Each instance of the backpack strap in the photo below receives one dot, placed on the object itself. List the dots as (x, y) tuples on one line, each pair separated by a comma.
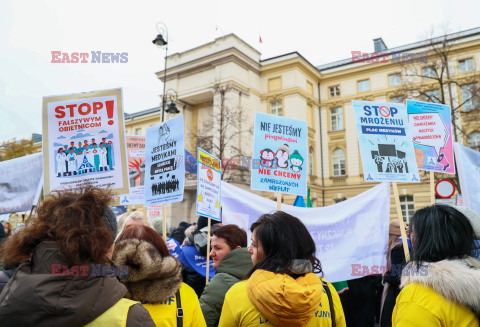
[(330, 302), (179, 309)]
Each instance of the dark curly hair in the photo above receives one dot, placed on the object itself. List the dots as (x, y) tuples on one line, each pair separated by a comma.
[(72, 219)]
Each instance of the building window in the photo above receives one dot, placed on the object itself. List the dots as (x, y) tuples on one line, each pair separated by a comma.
[(338, 159), (364, 85), (408, 207), (334, 91), (310, 161), (275, 84), (429, 72), (465, 65), (433, 96), (309, 88), (470, 97), (276, 108), (395, 79), (398, 99), (138, 131), (473, 140), (336, 118)]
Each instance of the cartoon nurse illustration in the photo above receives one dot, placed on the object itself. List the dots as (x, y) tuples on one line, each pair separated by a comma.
[(103, 158), (61, 158), (296, 161), (72, 162)]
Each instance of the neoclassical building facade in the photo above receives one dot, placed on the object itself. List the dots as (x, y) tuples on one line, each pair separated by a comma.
[(221, 84)]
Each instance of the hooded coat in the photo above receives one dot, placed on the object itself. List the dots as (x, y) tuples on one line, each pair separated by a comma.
[(273, 299), (232, 269), (443, 293), (36, 297), (153, 280)]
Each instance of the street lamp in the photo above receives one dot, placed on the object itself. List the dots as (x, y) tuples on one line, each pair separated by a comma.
[(172, 97), (160, 41)]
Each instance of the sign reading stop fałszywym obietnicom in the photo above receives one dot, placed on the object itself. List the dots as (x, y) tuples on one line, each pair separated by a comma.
[(84, 141), (209, 177)]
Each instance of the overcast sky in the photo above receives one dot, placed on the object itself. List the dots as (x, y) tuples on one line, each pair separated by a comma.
[(322, 31)]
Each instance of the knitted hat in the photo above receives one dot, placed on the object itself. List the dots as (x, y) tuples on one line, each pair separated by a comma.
[(285, 148), (394, 228), (473, 217), (296, 155), (110, 220)]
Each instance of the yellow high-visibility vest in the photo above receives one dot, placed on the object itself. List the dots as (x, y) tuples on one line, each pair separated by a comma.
[(116, 315)]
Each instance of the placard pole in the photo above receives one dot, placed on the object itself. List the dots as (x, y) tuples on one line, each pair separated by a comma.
[(432, 188), (208, 250), (279, 201), (164, 222), (145, 215), (402, 224)]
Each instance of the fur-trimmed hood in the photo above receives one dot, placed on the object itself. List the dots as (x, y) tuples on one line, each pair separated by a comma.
[(457, 280), (151, 277)]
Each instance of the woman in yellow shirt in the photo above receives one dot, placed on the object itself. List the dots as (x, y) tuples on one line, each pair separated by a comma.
[(441, 285), (282, 288), (154, 278)]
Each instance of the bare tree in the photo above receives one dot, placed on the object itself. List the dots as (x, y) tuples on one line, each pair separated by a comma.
[(223, 133), (433, 80)]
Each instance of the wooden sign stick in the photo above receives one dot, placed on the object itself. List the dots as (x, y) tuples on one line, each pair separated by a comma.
[(279, 201), (208, 250), (402, 224), (432, 188)]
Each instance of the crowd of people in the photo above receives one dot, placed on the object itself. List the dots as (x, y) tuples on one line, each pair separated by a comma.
[(76, 264)]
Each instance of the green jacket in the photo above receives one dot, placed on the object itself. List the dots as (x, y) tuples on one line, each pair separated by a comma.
[(231, 270)]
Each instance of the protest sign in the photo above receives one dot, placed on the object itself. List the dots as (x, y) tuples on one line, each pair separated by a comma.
[(431, 128), (84, 141), (280, 150), (165, 166), (136, 170), (350, 234), (209, 176), (468, 165), (385, 142), (19, 181)]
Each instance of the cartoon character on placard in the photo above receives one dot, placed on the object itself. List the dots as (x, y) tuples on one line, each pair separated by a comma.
[(72, 162), (266, 158), (282, 155), (61, 158), (296, 161), (163, 133), (442, 159)]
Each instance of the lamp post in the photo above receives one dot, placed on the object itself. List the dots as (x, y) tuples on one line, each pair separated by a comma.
[(160, 41)]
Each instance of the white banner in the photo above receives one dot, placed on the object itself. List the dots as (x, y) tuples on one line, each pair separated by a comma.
[(350, 236), (19, 182), (468, 165)]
